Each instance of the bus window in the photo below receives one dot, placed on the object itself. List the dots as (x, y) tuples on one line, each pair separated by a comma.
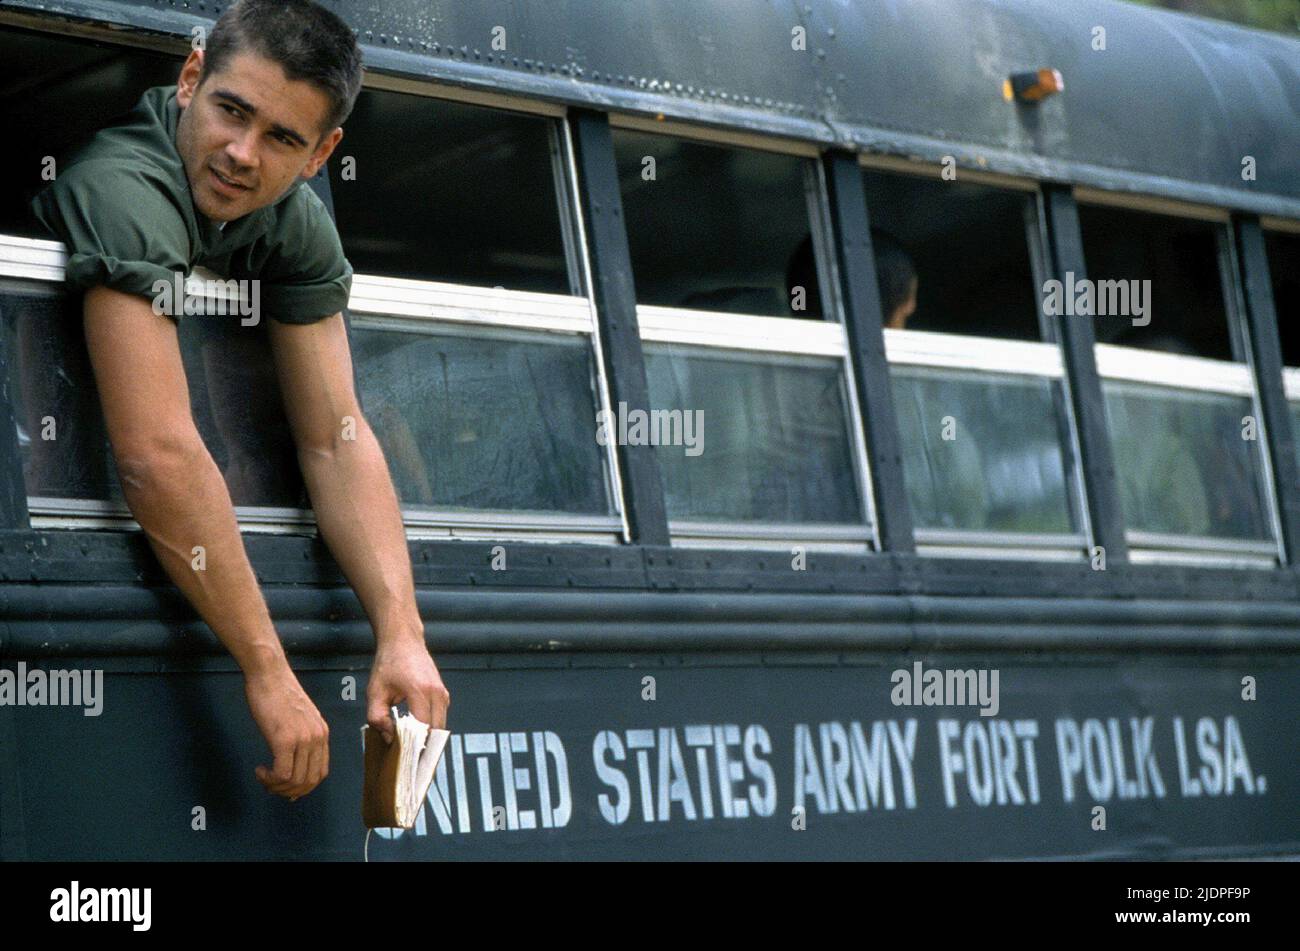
[(981, 410), (961, 247), (1179, 395), (1157, 282), (1283, 249), (61, 434), (70, 89), (739, 345), (475, 361), (485, 421), (470, 199), (714, 228), (772, 447)]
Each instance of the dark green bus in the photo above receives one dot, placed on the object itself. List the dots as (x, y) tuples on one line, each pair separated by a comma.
[(830, 431)]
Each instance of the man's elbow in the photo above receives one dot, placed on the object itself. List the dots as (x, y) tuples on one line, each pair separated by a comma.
[(328, 444), (147, 463)]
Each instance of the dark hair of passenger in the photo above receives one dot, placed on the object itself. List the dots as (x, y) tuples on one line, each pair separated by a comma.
[(310, 44), (894, 270)]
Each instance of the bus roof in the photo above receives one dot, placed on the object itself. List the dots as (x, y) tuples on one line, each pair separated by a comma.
[(1154, 102)]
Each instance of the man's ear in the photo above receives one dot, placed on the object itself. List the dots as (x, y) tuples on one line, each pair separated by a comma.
[(322, 153), (190, 77)]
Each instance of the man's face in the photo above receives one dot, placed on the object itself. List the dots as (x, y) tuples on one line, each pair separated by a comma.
[(248, 133)]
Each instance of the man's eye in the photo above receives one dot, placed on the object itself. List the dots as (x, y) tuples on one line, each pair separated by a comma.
[(231, 109)]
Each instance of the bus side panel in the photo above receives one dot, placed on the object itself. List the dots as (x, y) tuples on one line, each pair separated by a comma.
[(794, 756)]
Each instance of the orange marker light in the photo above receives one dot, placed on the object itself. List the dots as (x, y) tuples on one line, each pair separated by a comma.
[(1032, 87)]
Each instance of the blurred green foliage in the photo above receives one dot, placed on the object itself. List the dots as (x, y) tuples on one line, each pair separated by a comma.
[(1280, 15)]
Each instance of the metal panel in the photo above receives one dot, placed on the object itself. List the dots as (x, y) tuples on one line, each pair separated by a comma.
[(1265, 352), (1169, 107), (1061, 216), (865, 327), (1182, 765), (615, 296)]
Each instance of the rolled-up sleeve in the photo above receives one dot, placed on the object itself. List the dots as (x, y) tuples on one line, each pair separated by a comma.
[(306, 277), (119, 226)]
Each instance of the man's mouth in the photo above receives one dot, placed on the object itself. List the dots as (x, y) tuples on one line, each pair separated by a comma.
[(228, 183)]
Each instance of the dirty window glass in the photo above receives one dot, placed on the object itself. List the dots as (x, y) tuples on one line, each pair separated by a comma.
[(768, 439), (1182, 464), (488, 420), (982, 451)]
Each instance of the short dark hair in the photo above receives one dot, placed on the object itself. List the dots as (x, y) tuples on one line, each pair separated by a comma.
[(894, 270), (310, 44)]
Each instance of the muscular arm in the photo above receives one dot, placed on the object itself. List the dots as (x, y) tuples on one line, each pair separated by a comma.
[(176, 493), (357, 512)]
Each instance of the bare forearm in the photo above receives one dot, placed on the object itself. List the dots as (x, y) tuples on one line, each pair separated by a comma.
[(182, 505), (359, 518)]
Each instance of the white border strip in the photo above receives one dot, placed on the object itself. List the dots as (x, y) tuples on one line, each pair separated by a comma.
[(433, 300), (822, 338), (1291, 382), (32, 258), (48, 512), (1174, 370), (960, 352)]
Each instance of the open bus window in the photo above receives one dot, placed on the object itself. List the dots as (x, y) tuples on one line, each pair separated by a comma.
[(951, 257), (1156, 282), (59, 91), (761, 437), (471, 199), (980, 403), (717, 228)]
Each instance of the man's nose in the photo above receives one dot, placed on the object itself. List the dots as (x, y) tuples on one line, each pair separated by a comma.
[(242, 151)]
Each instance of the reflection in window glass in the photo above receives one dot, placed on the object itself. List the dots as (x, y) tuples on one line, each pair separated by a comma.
[(60, 426), (498, 421), (951, 257), (1170, 266), (236, 402), (1182, 463), (1001, 470), (472, 200), (773, 445), (716, 228), (233, 390)]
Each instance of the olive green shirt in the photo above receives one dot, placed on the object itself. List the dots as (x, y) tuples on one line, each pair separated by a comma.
[(122, 206)]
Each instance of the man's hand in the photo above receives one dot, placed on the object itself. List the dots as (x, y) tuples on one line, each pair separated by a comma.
[(296, 732), (404, 671)]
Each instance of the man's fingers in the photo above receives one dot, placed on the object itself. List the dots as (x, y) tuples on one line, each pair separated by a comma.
[(377, 716)]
